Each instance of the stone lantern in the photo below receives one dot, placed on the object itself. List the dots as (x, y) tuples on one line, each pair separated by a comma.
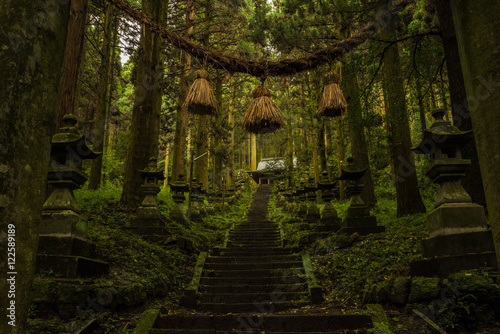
[(179, 187), (458, 235), (358, 218), (197, 207), (329, 220), (300, 192), (63, 245), (149, 220), (312, 209)]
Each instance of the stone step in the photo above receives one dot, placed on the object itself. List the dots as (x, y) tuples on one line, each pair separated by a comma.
[(245, 288), (259, 240), (255, 231), (252, 235), (266, 306), (213, 331), (254, 251), (252, 266), (277, 323), (257, 259), (258, 226), (252, 297), (253, 272), (253, 244), (225, 281)]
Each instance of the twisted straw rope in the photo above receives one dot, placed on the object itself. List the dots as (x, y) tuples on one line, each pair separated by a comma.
[(261, 68)]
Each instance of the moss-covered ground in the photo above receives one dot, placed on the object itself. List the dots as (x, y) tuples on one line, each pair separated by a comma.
[(142, 273), (352, 267)]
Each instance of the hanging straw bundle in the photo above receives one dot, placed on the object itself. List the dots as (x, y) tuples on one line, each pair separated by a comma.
[(262, 115), (200, 98), (332, 102)]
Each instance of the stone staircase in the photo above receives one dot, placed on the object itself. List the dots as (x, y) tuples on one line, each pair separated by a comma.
[(248, 286)]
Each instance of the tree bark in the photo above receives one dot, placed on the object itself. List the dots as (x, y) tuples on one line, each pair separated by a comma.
[(476, 24), (145, 125), (72, 59), (102, 101), (31, 56), (218, 130), (408, 196), (359, 147), (472, 182), (253, 156), (421, 107), (167, 161), (182, 113), (230, 121), (340, 155)]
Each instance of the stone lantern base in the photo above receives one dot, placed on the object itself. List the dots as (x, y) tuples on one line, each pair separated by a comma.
[(358, 220), (329, 221), (63, 248), (148, 222), (459, 240)]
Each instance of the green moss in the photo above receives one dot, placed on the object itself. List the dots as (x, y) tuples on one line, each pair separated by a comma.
[(424, 289)]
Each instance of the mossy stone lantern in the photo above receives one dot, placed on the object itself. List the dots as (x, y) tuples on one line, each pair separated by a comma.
[(197, 207), (458, 235), (329, 220), (63, 245), (358, 218), (179, 187), (149, 220), (69, 149), (301, 195), (312, 209)]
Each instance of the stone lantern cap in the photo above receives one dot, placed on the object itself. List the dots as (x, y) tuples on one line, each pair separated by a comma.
[(443, 136), (196, 187), (351, 172), (151, 172), (310, 185), (325, 183), (180, 184), (69, 146)]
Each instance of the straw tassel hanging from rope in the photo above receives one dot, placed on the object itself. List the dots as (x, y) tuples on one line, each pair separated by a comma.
[(200, 98), (332, 102), (263, 115)]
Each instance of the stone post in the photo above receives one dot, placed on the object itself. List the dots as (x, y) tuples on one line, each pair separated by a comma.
[(358, 218), (179, 187), (459, 238), (63, 246), (148, 220), (329, 220)]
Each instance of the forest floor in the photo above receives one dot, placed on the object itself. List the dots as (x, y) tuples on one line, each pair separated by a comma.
[(355, 271)]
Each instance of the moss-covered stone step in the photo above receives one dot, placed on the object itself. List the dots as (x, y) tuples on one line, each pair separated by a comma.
[(268, 307), (253, 272), (245, 288), (224, 281), (245, 297), (278, 323), (252, 266), (257, 259)]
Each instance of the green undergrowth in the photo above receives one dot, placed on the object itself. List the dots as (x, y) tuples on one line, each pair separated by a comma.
[(346, 264), (141, 271)]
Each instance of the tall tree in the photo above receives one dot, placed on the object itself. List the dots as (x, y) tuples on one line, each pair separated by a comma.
[(408, 196), (145, 125), (72, 59), (31, 53), (472, 182), (359, 147), (102, 99), (476, 24), (179, 149)]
